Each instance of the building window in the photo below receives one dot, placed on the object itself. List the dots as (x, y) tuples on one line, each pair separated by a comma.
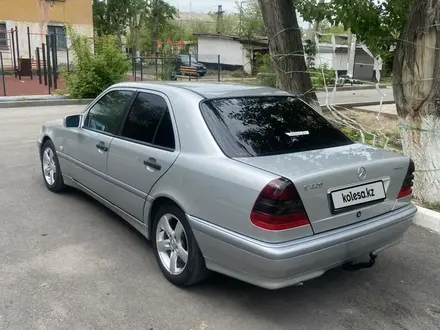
[(60, 33), (3, 36)]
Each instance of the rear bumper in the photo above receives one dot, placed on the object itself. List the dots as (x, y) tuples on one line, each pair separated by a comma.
[(275, 266)]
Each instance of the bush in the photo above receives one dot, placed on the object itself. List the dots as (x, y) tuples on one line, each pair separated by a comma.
[(322, 76), (266, 72), (94, 70)]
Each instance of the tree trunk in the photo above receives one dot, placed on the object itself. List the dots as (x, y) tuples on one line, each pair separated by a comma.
[(286, 48), (416, 79), (154, 36)]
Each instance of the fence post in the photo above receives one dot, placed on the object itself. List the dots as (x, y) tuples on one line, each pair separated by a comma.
[(37, 57), (43, 51), (16, 41), (134, 68), (29, 49), (218, 68), (3, 73), (13, 52), (54, 60), (49, 72), (156, 68), (190, 66)]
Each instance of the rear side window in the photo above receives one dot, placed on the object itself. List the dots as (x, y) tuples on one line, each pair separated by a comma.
[(263, 126), (149, 121)]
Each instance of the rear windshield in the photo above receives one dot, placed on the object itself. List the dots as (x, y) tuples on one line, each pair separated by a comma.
[(268, 125)]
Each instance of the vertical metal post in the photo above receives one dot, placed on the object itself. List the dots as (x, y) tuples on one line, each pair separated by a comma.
[(134, 68), (190, 66), (13, 52), (3, 73), (29, 49), (38, 64), (49, 72), (54, 60), (142, 69), (218, 68), (43, 51), (156, 68), (16, 40)]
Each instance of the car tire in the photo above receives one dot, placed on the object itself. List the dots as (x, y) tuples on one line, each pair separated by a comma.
[(171, 243), (50, 168)]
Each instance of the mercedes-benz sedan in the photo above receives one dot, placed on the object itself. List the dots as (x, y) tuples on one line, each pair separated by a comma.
[(246, 181)]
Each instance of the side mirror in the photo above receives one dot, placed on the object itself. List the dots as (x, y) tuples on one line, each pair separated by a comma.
[(72, 121)]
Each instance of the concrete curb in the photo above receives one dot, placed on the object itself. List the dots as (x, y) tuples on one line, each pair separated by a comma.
[(44, 103), (427, 219), (356, 105), (351, 88)]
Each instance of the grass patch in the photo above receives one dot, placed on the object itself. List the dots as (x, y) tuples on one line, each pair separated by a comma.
[(380, 141), (432, 206)]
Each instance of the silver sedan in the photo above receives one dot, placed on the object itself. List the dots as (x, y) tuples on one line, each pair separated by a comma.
[(246, 181)]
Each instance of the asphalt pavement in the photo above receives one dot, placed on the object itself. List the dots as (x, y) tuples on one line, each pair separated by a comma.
[(358, 96), (68, 263)]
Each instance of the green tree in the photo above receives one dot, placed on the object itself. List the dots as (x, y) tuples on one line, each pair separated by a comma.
[(159, 15), (251, 25), (376, 23), (111, 17), (94, 68)]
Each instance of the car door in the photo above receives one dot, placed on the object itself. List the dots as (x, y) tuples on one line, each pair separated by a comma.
[(143, 151), (87, 146)]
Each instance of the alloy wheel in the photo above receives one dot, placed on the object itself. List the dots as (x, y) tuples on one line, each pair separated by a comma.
[(172, 244), (49, 166)]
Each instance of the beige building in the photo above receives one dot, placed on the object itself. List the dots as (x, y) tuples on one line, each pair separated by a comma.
[(41, 17)]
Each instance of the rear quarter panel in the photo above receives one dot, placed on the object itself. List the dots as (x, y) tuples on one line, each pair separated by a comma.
[(221, 191)]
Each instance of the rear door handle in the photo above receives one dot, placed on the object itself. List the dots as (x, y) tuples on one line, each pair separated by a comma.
[(151, 162), (101, 146)]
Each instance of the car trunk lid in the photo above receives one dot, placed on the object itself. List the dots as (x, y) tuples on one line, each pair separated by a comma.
[(342, 185)]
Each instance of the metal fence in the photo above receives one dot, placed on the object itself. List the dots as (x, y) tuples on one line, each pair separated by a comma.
[(174, 67), (19, 67)]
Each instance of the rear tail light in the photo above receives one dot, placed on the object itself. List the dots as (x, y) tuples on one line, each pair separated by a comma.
[(279, 207), (407, 185)]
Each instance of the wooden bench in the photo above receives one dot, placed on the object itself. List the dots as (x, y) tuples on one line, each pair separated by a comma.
[(187, 72)]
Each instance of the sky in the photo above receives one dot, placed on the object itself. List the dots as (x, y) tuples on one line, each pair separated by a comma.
[(205, 6)]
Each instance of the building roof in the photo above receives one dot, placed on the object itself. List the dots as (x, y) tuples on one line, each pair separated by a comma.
[(263, 41)]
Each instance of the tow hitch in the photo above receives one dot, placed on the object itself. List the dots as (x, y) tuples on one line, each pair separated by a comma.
[(352, 266)]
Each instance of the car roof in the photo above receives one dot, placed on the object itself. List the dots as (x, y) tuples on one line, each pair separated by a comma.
[(208, 90)]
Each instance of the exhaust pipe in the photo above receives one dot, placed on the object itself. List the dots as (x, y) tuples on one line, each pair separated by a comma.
[(352, 266)]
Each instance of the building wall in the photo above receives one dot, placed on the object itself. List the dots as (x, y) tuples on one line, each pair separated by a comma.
[(230, 51), (247, 60), (340, 61), (68, 11), (324, 59), (37, 15), (363, 67)]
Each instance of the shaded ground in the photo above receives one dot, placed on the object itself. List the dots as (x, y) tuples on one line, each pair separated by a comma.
[(68, 263)]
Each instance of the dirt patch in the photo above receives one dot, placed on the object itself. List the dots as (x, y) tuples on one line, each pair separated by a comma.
[(370, 121)]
